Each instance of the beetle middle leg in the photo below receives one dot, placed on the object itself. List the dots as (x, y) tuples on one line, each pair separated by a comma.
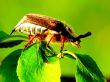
[(49, 38)]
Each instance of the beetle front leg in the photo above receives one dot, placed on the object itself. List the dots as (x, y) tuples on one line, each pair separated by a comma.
[(62, 46)]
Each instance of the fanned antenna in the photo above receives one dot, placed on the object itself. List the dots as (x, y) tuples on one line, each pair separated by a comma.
[(84, 35)]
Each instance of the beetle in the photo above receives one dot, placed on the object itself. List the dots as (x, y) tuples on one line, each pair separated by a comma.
[(48, 29)]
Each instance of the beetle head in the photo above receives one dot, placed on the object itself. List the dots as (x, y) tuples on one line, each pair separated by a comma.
[(76, 41)]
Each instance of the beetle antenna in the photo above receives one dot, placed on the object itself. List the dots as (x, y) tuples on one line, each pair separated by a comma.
[(84, 35)]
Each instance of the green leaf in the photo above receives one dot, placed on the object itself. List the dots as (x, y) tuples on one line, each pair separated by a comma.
[(8, 44), (5, 41), (69, 54), (87, 70), (18, 36), (3, 35), (33, 67), (8, 67)]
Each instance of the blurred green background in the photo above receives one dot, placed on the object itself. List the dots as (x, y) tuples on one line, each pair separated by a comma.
[(82, 15)]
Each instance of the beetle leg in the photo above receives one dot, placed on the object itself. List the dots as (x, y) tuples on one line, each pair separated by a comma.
[(51, 37), (31, 38), (62, 46), (62, 42)]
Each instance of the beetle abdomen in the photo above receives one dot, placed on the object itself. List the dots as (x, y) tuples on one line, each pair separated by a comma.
[(30, 28)]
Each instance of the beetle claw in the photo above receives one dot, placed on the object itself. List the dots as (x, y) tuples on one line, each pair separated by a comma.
[(60, 55)]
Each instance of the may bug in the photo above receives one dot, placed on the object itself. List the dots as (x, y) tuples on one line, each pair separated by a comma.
[(48, 29)]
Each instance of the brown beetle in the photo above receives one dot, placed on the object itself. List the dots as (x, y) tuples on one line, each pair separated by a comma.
[(48, 29)]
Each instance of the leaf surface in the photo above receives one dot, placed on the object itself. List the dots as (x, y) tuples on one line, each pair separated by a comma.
[(35, 66), (3, 35), (8, 67), (11, 43), (86, 68)]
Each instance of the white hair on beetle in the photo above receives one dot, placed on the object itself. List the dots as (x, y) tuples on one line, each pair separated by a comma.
[(33, 29)]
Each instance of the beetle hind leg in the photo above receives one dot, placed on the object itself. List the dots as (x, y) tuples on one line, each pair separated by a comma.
[(31, 39)]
